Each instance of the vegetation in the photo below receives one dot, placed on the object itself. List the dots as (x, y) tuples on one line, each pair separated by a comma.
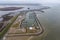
[(16, 25), (8, 26)]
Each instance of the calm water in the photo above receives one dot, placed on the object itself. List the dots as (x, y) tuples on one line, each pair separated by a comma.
[(17, 11), (25, 8), (51, 21)]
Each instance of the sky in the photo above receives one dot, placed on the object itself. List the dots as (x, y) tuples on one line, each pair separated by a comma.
[(29, 1)]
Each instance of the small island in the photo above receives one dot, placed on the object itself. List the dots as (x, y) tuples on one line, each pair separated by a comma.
[(10, 8)]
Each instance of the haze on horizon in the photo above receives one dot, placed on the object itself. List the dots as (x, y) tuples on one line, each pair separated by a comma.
[(29, 1)]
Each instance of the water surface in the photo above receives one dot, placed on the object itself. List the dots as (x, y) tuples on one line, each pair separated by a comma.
[(51, 21)]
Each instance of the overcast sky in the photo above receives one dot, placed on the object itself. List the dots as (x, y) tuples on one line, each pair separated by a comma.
[(29, 1)]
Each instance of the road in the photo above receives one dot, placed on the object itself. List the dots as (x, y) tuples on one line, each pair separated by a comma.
[(18, 35)]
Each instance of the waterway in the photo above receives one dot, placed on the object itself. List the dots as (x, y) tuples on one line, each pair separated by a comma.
[(25, 8), (17, 11), (51, 21)]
